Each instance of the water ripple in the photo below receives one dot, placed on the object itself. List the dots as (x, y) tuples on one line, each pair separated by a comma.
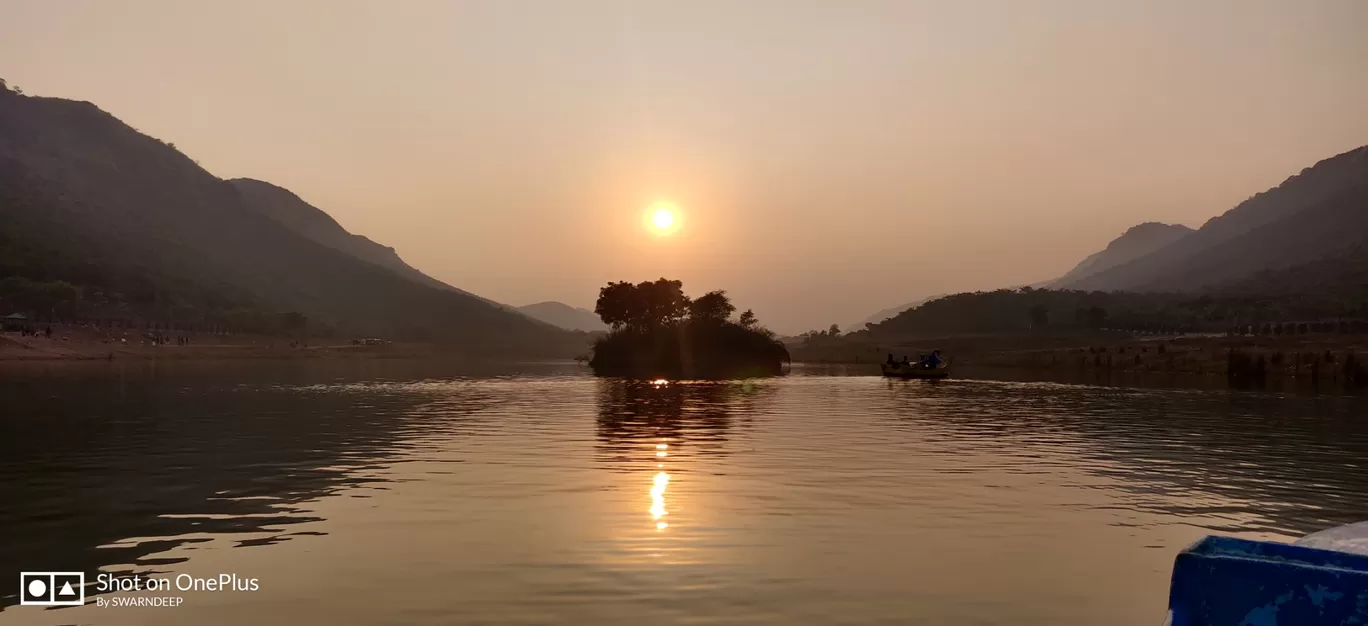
[(535, 495)]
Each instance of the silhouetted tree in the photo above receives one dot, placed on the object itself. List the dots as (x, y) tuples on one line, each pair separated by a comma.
[(664, 301), (834, 331), (644, 305), (713, 305), (659, 331), (293, 322), (1007, 310), (1091, 317), (617, 304), (1040, 314)]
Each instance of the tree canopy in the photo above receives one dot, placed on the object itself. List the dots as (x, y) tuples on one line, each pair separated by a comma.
[(660, 331), (651, 304), (712, 305), (1008, 310)]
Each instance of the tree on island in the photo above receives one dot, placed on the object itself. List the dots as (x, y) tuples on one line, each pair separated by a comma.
[(644, 305), (713, 305), (658, 331)]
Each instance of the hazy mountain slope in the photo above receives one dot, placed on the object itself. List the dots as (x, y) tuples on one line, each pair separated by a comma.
[(83, 185), (890, 312), (289, 209), (1327, 230), (1275, 228), (284, 206), (564, 316), (1136, 242), (1325, 288)]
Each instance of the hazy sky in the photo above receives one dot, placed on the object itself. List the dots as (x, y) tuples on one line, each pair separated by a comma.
[(830, 158)]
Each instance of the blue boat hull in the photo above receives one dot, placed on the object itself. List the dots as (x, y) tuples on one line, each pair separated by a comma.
[(1223, 581)]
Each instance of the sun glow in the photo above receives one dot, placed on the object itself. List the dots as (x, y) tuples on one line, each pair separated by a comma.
[(662, 218)]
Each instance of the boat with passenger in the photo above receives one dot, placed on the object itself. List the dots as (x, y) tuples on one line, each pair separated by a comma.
[(927, 366)]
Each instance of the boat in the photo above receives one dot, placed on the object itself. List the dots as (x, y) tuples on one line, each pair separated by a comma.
[(1318, 580), (916, 370)]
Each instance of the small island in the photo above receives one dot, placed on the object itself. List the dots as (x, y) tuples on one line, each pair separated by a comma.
[(659, 332)]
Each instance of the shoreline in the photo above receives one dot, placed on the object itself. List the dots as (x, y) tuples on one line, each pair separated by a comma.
[(1312, 362), (1330, 360), (89, 346)]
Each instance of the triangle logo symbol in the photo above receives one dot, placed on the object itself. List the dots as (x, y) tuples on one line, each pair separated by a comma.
[(66, 590)]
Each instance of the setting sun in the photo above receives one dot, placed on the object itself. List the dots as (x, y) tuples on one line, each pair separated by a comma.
[(662, 218)]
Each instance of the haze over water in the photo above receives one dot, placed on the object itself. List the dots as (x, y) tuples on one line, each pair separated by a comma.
[(507, 147), (387, 492)]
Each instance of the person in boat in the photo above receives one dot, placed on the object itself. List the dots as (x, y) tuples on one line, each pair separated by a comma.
[(905, 362), (921, 360), (890, 359), (934, 360)]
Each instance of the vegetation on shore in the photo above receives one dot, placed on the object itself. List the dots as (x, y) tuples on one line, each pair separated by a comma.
[(1321, 360), (659, 332), (1038, 310)]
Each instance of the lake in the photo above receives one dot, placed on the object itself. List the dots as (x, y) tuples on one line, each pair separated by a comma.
[(375, 492)]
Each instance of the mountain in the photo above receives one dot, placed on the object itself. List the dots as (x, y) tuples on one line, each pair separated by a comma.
[(889, 312), (292, 212), (1320, 213), (1136, 242), (104, 222), (562, 315), (1330, 287)]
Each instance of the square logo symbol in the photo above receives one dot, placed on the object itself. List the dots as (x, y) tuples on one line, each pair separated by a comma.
[(51, 588)]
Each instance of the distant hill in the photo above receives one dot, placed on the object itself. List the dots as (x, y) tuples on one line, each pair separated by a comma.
[(888, 313), (1336, 285), (564, 316), (1137, 241), (103, 222), (1041, 312), (282, 205), (1320, 213)]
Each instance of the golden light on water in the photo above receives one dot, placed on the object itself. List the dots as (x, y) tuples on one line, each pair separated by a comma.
[(662, 218), (659, 483)]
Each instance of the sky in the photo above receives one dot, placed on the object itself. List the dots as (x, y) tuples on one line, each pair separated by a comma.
[(829, 159)]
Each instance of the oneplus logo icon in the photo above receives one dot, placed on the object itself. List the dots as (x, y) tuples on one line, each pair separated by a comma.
[(51, 588)]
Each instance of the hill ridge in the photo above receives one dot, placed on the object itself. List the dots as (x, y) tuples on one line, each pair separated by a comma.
[(1270, 229), (141, 233)]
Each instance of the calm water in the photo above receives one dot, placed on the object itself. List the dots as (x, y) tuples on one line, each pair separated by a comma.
[(395, 493)]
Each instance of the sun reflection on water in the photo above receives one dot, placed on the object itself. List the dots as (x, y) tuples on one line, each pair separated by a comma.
[(658, 485)]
